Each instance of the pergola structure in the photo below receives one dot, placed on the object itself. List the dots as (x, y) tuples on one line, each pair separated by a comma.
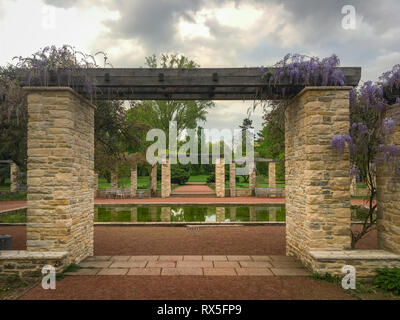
[(61, 153)]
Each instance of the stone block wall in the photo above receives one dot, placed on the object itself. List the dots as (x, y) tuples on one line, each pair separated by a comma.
[(28, 264), (220, 177), (317, 178), (388, 196), (165, 179), (60, 172)]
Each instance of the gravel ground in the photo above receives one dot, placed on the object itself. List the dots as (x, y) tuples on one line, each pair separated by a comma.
[(131, 240)]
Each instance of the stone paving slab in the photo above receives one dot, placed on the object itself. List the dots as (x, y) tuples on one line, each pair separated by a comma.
[(194, 265)]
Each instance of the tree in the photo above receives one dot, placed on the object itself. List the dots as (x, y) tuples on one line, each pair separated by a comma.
[(159, 114), (367, 140)]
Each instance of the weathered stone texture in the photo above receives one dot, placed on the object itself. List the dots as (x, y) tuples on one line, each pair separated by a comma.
[(14, 179), (252, 180), (272, 174), (114, 177), (317, 177), (364, 261), (220, 177), (388, 196), (166, 179), (29, 264), (60, 172), (134, 181), (153, 179), (232, 179)]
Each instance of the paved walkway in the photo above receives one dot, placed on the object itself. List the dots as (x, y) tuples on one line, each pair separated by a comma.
[(191, 265), (194, 188)]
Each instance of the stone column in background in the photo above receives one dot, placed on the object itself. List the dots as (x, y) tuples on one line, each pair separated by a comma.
[(14, 177), (60, 167), (353, 186), (166, 214), (220, 214), (133, 214), (388, 196), (165, 179), (220, 177), (134, 181), (252, 180), (317, 176), (153, 179), (95, 183), (114, 177), (232, 179), (272, 175)]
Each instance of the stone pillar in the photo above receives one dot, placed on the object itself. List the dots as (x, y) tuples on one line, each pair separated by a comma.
[(60, 172), (252, 180), (114, 177), (388, 196), (232, 179), (166, 179), (353, 186), (153, 179), (220, 214), (134, 181), (166, 214), (220, 177), (272, 175), (317, 177), (133, 214), (13, 177), (95, 183)]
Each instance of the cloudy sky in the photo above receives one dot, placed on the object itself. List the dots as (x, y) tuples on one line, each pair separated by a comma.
[(214, 33)]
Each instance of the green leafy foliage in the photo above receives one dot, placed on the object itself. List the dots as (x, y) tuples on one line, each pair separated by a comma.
[(388, 279), (179, 174)]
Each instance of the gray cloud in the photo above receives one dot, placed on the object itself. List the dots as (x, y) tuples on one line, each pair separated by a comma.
[(61, 3)]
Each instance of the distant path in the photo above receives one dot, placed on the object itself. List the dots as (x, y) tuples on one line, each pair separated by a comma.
[(193, 188)]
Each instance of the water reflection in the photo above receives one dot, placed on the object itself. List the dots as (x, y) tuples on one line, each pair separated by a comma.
[(189, 213)]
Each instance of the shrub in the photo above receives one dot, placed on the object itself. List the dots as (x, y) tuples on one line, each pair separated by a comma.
[(388, 279), (179, 175)]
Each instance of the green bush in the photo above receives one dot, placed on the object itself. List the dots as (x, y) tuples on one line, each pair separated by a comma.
[(179, 175), (388, 279), (211, 177)]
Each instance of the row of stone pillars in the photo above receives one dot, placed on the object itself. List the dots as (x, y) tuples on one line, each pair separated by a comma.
[(220, 178), (165, 180), (60, 176), (14, 174)]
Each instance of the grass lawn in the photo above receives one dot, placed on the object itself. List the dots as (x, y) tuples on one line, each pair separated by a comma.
[(199, 178), (125, 182)]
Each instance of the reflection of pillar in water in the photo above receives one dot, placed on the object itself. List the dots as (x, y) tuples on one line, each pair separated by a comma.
[(153, 214), (252, 213), (232, 213), (133, 214), (166, 214), (272, 214), (96, 213), (220, 214), (114, 214)]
